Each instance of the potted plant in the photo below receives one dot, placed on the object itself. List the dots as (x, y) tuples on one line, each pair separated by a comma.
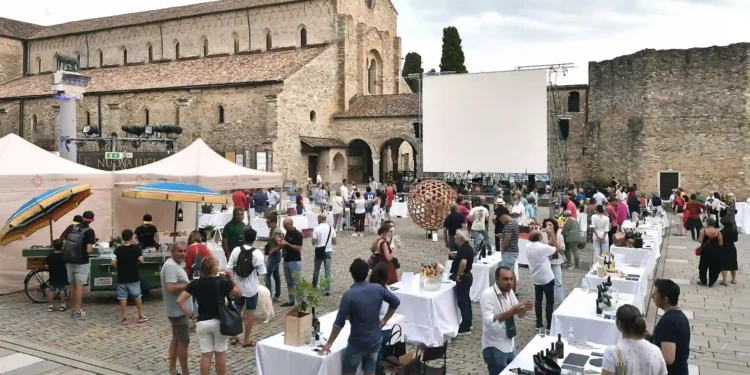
[(209, 230), (300, 320), (114, 242)]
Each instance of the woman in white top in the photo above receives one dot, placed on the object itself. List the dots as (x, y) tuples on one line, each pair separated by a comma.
[(376, 216), (359, 214), (557, 259), (600, 222), (337, 209), (632, 355), (538, 255)]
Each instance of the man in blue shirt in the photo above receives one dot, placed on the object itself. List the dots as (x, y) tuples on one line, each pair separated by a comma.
[(260, 202), (361, 306)]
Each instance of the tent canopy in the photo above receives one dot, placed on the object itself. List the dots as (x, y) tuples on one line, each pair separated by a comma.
[(199, 164), (26, 167)]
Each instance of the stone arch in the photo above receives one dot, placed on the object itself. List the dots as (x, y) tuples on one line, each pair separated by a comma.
[(235, 43), (391, 161), (38, 64), (374, 31), (302, 33), (204, 46), (268, 38), (359, 160), (149, 52), (374, 73)]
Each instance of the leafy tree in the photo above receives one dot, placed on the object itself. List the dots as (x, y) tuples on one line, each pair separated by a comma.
[(453, 54), (412, 65)]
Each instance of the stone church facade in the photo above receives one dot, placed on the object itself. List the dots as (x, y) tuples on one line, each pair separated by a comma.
[(315, 84)]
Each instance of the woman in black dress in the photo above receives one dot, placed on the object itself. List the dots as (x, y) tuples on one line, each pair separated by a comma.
[(710, 263), (729, 250)]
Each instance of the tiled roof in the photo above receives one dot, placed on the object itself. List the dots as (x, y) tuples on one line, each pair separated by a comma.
[(153, 16), (322, 142), (261, 68), (397, 105), (17, 29)]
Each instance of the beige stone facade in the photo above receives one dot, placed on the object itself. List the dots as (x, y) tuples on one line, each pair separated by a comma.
[(244, 75)]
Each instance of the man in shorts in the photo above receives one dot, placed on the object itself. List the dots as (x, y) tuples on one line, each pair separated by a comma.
[(78, 271), (174, 279)]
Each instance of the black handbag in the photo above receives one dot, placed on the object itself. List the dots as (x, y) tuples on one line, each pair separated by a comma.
[(230, 321), (399, 348), (320, 251)]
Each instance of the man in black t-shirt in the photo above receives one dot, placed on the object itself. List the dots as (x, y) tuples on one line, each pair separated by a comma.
[(461, 274), (453, 222), (78, 272), (128, 257), (147, 233), (292, 254), (672, 332)]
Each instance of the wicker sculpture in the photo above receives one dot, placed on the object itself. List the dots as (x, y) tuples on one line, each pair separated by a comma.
[(429, 203)]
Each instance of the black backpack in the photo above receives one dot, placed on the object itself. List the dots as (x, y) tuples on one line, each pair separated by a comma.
[(142, 237), (245, 265), (74, 245)]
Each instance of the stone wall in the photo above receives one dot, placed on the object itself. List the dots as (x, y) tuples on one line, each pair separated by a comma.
[(672, 110), (11, 59), (566, 157)]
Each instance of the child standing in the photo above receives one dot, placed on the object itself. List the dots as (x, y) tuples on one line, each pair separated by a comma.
[(58, 277), (128, 257)]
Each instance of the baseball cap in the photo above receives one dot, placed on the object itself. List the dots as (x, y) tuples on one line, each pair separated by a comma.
[(88, 216), (77, 219)]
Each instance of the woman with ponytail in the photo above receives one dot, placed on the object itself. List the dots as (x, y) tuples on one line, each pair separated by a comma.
[(632, 355)]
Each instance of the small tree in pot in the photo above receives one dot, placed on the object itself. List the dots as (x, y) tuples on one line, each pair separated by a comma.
[(300, 320)]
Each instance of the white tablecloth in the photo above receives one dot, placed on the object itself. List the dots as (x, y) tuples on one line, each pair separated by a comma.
[(637, 288), (583, 219), (218, 220), (742, 217), (218, 252), (274, 357), (399, 209), (662, 221), (312, 220), (525, 361), (430, 317), (522, 259), (483, 273), (578, 311), (260, 226)]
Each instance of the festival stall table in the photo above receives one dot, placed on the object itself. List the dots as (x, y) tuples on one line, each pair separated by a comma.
[(525, 361), (637, 287), (583, 223), (430, 317), (635, 257), (400, 209), (522, 242), (578, 311), (312, 220), (662, 221), (261, 227), (742, 216), (274, 357), (483, 273)]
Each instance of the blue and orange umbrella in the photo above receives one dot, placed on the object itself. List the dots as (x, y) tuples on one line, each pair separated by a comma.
[(42, 210)]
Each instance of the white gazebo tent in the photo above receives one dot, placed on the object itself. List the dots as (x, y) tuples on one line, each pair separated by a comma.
[(27, 171), (196, 164)]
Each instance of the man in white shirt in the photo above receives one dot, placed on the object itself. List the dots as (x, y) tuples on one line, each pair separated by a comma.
[(479, 217), (538, 255), (273, 198), (344, 190), (499, 306), (518, 212), (323, 239), (240, 261), (373, 185), (600, 198)]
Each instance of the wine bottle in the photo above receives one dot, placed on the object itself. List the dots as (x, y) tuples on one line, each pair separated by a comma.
[(552, 350), (599, 305), (560, 347)]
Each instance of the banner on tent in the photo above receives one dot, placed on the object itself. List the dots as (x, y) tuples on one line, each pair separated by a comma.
[(97, 159)]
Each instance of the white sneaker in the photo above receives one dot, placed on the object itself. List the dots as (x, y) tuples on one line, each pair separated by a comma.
[(361, 234), (354, 234)]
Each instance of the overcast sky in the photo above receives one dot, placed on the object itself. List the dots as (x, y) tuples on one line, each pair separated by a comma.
[(503, 34)]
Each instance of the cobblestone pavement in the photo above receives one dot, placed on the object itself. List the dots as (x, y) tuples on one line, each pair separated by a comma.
[(143, 347), (719, 316)]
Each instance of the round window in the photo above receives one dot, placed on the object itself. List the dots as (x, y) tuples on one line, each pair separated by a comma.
[(312, 116)]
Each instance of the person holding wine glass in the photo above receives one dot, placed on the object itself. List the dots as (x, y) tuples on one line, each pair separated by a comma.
[(499, 307)]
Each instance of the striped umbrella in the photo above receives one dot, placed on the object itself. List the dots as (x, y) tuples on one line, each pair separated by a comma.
[(42, 210)]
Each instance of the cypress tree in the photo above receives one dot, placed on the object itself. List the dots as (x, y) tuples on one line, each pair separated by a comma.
[(453, 54), (412, 65)]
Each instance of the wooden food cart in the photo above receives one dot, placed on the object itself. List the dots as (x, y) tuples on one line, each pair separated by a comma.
[(103, 276)]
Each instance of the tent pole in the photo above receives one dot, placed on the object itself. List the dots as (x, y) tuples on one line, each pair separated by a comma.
[(51, 236), (174, 232)]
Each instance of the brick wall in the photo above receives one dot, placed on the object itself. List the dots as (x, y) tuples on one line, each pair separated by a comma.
[(11, 59), (566, 157)]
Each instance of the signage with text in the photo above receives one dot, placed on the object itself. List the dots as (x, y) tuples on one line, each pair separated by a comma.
[(101, 160)]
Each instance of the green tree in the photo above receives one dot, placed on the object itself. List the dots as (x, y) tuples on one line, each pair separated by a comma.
[(412, 65), (453, 54)]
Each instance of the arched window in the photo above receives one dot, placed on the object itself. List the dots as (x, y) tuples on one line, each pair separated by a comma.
[(372, 72), (78, 57), (39, 64), (221, 114), (88, 118), (563, 125), (146, 117), (150, 53), (303, 37), (177, 51), (34, 124), (205, 47), (269, 41), (124, 56), (101, 58), (574, 101), (236, 44)]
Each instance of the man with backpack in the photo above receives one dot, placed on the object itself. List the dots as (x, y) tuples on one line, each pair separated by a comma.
[(245, 264), (78, 245)]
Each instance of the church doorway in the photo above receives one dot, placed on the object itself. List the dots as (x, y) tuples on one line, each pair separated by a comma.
[(359, 157)]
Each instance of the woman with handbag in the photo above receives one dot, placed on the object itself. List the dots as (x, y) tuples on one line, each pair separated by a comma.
[(212, 293), (710, 254), (632, 355)]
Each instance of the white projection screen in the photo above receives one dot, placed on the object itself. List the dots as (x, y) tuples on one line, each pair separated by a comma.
[(485, 122)]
